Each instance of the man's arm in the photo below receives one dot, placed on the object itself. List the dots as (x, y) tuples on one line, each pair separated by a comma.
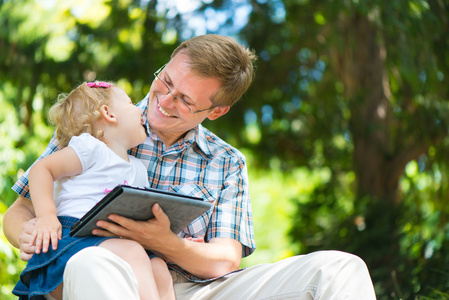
[(205, 260), (19, 219), (230, 230), (18, 214)]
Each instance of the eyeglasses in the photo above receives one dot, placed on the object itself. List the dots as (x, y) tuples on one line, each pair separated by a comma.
[(165, 89)]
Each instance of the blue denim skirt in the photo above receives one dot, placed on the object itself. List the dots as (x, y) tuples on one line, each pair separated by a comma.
[(44, 271)]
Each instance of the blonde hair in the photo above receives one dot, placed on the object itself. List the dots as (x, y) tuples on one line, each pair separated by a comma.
[(77, 112), (222, 58)]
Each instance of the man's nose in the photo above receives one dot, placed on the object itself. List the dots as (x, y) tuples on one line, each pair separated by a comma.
[(167, 99)]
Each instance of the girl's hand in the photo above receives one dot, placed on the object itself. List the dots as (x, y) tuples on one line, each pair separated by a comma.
[(48, 230)]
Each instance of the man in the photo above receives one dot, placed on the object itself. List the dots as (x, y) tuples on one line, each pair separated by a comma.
[(204, 78)]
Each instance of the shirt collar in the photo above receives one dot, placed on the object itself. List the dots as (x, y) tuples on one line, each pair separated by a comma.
[(198, 136)]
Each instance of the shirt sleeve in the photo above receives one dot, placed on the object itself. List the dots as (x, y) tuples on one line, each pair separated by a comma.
[(21, 186), (232, 214), (86, 146)]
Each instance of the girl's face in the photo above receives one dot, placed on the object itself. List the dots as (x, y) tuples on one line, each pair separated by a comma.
[(129, 119)]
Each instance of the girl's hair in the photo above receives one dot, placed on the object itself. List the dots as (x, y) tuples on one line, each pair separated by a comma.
[(222, 58), (76, 113)]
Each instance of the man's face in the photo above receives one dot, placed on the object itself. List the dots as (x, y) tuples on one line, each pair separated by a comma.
[(170, 118)]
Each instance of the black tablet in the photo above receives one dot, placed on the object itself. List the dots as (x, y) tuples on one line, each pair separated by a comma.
[(136, 203)]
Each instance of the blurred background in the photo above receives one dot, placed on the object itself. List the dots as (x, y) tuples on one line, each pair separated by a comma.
[(345, 128)]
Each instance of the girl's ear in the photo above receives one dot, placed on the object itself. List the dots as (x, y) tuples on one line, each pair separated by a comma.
[(107, 114)]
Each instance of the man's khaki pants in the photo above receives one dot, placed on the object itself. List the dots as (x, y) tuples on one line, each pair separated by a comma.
[(96, 273)]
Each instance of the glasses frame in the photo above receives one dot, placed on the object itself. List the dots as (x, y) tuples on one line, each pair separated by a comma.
[(169, 91)]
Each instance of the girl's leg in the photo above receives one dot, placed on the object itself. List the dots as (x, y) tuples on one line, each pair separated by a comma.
[(164, 281), (96, 273), (56, 294), (134, 254)]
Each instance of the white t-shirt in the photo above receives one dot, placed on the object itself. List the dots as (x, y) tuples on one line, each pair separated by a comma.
[(102, 171)]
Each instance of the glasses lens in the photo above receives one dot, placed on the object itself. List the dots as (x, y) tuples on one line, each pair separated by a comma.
[(187, 106), (163, 87)]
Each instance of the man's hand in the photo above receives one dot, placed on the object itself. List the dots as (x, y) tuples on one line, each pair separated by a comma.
[(27, 250), (48, 230), (148, 233), (206, 260)]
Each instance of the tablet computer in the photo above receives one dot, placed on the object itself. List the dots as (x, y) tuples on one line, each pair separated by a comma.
[(136, 203)]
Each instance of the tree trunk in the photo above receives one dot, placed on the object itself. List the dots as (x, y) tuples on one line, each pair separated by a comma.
[(377, 163), (361, 67)]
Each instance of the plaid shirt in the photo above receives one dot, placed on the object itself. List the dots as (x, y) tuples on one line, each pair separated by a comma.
[(200, 164)]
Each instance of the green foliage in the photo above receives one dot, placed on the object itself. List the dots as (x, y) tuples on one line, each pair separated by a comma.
[(359, 88), (59, 45), (273, 209), (345, 127)]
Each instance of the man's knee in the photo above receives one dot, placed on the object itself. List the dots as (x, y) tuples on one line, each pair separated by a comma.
[(335, 255), (346, 260), (329, 261)]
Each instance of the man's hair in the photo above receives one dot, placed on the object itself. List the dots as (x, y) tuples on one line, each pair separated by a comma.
[(222, 58), (76, 113)]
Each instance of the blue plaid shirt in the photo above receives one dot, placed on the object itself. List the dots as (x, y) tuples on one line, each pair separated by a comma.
[(200, 164)]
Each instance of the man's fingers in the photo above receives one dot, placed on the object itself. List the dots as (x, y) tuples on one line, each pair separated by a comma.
[(159, 214), (32, 238), (26, 251), (141, 231), (28, 227), (27, 240), (25, 256), (108, 229), (122, 222), (101, 232)]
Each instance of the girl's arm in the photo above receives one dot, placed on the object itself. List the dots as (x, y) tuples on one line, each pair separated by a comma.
[(60, 164)]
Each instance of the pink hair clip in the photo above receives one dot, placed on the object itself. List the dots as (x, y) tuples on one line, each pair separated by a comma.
[(98, 84)]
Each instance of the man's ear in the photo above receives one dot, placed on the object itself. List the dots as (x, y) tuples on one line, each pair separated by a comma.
[(218, 112), (107, 114)]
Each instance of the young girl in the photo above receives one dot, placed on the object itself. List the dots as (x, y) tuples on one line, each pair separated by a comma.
[(96, 124)]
